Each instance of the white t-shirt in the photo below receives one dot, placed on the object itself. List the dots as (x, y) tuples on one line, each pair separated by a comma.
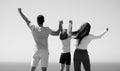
[(40, 35), (85, 41), (66, 45)]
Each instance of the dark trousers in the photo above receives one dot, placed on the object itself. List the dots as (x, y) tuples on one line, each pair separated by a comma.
[(81, 56)]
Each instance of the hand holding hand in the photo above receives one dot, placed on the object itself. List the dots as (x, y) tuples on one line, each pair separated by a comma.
[(107, 29), (19, 9), (61, 22), (70, 21)]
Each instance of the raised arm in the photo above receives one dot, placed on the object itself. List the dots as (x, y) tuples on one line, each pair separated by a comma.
[(56, 33), (74, 33), (70, 28), (24, 17), (61, 27), (100, 36)]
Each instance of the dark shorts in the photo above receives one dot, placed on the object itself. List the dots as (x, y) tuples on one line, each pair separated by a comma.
[(65, 58)]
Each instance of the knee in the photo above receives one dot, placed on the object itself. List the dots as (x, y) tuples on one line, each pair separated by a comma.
[(62, 68), (68, 68), (87, 69)]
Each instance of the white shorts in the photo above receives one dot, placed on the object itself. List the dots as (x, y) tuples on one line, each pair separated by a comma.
[(42, 55)]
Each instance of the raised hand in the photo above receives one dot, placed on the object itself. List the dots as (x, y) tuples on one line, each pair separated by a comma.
[(107, 29), (60, 25), (23, 16), (70, 21), (61, 22), (19, 9)]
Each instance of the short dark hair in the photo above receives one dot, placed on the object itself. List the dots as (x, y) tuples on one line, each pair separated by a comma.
[(63, 36), (40, 20)]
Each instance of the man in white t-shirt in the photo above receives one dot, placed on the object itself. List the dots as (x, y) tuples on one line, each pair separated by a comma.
[(40, 35)]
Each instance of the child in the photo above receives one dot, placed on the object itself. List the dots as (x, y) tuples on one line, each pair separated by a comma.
[(65, 37)]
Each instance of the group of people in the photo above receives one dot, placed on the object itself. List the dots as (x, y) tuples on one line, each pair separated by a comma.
[(82, 36)]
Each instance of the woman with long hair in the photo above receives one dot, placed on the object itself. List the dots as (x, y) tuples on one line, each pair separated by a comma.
[(83, 38)]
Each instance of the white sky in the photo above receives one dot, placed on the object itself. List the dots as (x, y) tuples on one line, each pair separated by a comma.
[(16, 41)]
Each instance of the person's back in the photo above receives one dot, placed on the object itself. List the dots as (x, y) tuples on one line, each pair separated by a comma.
[(81, 54), (40, 35), (66, 45), (65, 37), (85, 41)]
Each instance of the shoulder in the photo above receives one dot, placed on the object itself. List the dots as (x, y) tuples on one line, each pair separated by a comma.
[(48, 29), (90, 36), (32, 27)]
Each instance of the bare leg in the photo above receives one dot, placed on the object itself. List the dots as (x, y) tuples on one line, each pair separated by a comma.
[(62, 67), (67, 67), (33, 68), (35, 63), (44, 68)]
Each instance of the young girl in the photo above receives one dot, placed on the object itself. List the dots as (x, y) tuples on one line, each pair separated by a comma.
[(65, 37), (81, 54)]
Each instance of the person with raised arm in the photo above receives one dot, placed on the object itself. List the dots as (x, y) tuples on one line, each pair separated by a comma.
[(40, 34), (65, 37), (84, 38)]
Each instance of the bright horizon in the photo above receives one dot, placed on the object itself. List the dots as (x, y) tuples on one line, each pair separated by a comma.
[(17, 44)]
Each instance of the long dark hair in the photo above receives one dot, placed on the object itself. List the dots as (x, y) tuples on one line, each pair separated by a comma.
[(82, 32)]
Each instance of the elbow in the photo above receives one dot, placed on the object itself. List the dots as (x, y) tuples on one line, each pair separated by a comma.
[(57, 33), (100, 37)]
